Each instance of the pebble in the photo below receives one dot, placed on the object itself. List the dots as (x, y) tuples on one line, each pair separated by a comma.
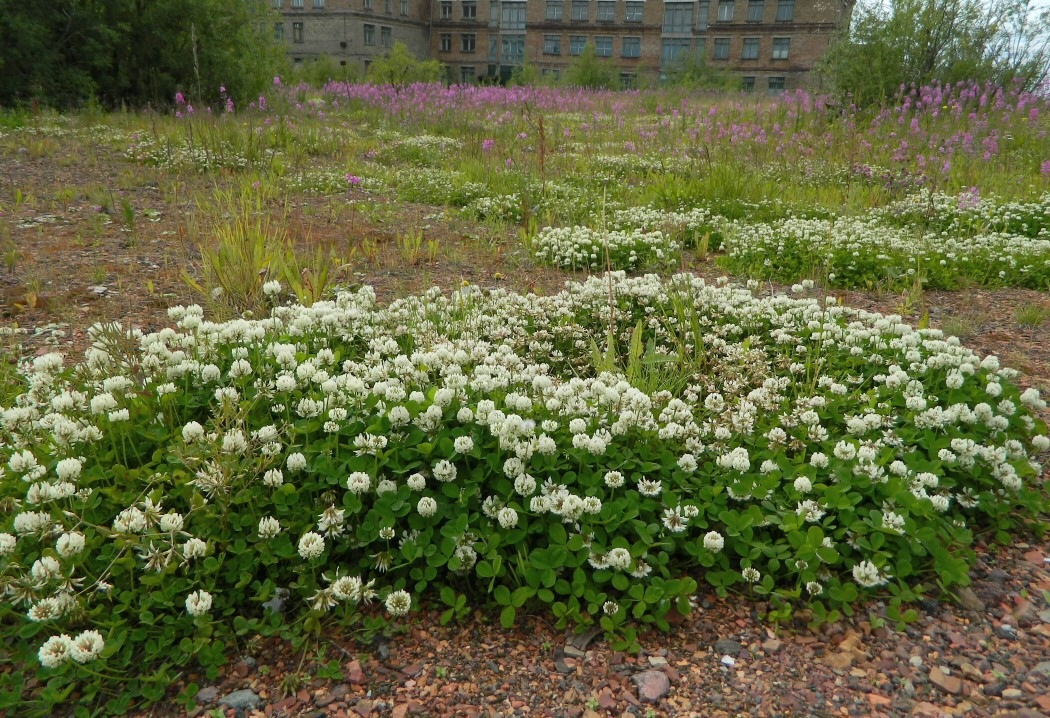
[(1013, 694), (572, 651), (915, 661), (1006, 631), (652, 685), (208, 694), (728, 646), (998, 575), (969, 600), (1042, 667), (947, 683), (772, 646), (995, 688), (728, 661), (241, 699)]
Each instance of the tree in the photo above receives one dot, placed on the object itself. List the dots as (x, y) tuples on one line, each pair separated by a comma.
[(400, 68), (588, 70), (899, 42), (693, 73), (67, 52)]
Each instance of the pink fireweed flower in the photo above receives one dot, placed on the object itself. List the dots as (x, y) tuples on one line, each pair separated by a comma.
[(353, 180), (487, 145), (1044, 169), (180, 99), (276, 80)]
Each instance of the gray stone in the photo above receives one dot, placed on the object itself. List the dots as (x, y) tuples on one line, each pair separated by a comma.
[(652, 685), (1043, 667), (1013, 694), (1044, 615), (244, 698), (728, 646), (995, 688), (969, 600), (208, 694), (998, 575), (573, 652), (276, 604), (1006, 631)]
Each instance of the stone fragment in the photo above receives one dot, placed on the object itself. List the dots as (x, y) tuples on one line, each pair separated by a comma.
[(947, 683), (208, 694), (995, 688), (772, 646), (652, 685), (1013, 694), (1041, 668), (354, 673), (241, 700), (969, 600), (728, 646), (573, 652), (841, 660)]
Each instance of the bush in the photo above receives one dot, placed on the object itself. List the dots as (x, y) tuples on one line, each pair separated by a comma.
[(160, 493), (400, 68), (590, 71)]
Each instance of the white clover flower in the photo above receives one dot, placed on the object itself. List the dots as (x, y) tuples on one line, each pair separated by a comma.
[(386, 533), (171, 522), (674, 521), (273, 478), (687, 463), (463, 444), (614, 479), (611, 608), (507, 517), (68, 544), (385, 486), (311, 545), (358, 482), (619, 558), (194, 548), (713, 541), (577, 426), (68, 469), (130, 520), (649, 487), (426, 507), (347, 588), (29, 522), (45, 568), (285, 383), (592, 505), (398, 603), (87, 646), (810, 511), (814, 588), (192, 432), (1041, 442), (803, 485), (444, 470), (819, 460), (119, 415), (271, 288), (465, 415), (55, 651), (749, 574), (7, 544), (269, 527), (525, 485), (867, 575), (296, 462), (239, 368), (416, 482), (198, 603)]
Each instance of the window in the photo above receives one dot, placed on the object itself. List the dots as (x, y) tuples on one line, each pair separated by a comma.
[(318, 3), (633, 12), (628, 80), (632, 47), (513, 48), (297, 32), (370, 34), (579, 10), (276, 4), (755, 10), (493, 49), (721, 48), (678, 17), (785, 13), (513, 16), (466, 75), (576, 44), (750, 48), (776, 85), (297, 4), (404, 8), (368, 4), (493, 13), (674, 50), (554, 9), (700, 50), (603, 46), (446, 41), (725, 11), (606, 11), (552, 44), (388, 7), (446, 10), (705, 15), (470, 10), (748, 85), (781, 46), (467, 42), (386, 37), (278, 31)]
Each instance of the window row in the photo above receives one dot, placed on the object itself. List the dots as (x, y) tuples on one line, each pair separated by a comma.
[(678, 49), (606, 10), (678, 16), (630, 47), (386, 35), (388, 5), (774, 85), (468, 42)]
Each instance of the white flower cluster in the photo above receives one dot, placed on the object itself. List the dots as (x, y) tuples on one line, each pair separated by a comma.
[(580, 247)]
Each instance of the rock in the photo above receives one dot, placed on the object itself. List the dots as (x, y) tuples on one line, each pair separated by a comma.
[(591, 714), (998, 575), (562, 667), (208, 694), (841, 660), (1044, 615), (657, 661), (1044, 703), (947, 683), (926, 710), (1006, 631), (1025, 613), (772, 646), (1041, 668), (995, 688), (276, 604), (1035, 557), (354, 674), (969, 600), (605, 700), (878, 701), (915, 661), (652, 685), (728, 661), (241, 699), (400, 710), (572, 651), (971, 671), (1013, 694), (728, 646)]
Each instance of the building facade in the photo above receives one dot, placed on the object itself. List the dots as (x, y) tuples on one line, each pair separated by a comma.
[(772, 45)]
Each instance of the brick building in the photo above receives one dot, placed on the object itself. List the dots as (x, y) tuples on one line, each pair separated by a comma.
[(772, 45)]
